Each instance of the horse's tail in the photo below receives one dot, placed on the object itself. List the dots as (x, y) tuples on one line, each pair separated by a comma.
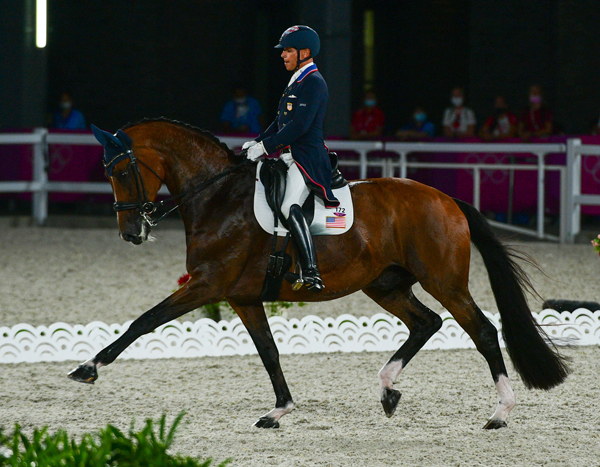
[(533, 355)]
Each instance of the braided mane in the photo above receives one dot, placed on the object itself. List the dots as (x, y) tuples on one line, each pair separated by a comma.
[(204, 133)]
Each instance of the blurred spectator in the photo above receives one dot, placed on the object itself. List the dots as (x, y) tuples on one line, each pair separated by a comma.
[(241, 114), (67, 117), (536, 120), (458, 120), (501, 125), (368, 121), (596, 129), (419, 128)]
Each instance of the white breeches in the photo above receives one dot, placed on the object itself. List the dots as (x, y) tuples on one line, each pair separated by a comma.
[(296, 190)]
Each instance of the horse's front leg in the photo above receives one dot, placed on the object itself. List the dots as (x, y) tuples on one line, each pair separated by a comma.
[(254, 318), (187, 298)]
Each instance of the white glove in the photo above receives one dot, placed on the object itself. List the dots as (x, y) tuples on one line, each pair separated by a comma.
[(248, 144), (287, 158), (255, 151)]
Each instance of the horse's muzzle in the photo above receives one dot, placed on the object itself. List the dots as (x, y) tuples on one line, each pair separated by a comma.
[(135, 239)]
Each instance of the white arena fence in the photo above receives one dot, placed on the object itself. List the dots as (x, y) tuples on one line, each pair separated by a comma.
[(571, 198), (311, 334)]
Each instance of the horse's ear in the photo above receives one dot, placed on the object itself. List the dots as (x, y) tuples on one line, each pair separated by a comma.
[(99, 134), (105, 138), (124, 138)]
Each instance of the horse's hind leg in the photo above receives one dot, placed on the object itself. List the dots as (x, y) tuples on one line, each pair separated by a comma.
[(485, 336), (254, 318), (422, 323)]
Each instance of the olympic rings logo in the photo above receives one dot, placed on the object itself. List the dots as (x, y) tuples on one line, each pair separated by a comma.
[(591, 164), (497, 176), (60, 156)]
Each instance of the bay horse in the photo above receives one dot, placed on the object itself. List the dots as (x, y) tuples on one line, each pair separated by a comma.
[(404, 232)]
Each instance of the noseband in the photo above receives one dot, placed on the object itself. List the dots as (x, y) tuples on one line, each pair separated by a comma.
[(143, 205)]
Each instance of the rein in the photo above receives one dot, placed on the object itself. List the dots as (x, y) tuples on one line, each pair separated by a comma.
[(146, 207)]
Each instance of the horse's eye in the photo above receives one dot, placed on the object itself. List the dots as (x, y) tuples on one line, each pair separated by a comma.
[(122, 175)]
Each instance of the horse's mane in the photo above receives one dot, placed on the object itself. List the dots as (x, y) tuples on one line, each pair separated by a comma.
[(204, 133)]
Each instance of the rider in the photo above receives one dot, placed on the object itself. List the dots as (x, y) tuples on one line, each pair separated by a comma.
[(297, 132)]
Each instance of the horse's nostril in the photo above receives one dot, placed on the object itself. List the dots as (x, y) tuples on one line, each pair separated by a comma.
[(135, 239)]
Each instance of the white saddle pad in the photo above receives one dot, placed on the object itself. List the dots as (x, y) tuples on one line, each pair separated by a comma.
[(335, 221)]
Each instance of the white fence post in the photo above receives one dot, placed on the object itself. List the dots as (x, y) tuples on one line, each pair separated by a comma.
[(541, 178), (564, 207), (573, 211), (477, 188), (40, 178)]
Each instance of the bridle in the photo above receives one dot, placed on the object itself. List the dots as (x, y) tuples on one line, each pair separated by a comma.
[(143, 205)]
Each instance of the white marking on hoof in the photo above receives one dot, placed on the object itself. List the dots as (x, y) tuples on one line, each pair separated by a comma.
[(506, 399), (279, 412), (388, 374), (91, 363)]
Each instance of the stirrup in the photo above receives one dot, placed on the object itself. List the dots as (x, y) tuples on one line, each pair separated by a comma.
[(313, 280)]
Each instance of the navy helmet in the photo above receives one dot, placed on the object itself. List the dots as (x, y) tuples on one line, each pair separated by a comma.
[(300, 37)]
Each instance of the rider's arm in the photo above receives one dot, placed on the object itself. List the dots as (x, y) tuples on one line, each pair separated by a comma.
[(313, 96), (271, 130)]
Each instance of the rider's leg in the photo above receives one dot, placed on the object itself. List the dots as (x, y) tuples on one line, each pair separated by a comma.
[(306, 249), (295, 195), (296, 190)]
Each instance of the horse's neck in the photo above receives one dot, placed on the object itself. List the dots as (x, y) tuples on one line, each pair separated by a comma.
[(193, 167), (220, 202)]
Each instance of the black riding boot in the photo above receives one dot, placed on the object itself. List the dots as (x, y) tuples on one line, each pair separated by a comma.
[(306, 248)]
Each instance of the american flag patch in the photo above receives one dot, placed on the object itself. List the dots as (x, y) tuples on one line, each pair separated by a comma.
[(335, 222)]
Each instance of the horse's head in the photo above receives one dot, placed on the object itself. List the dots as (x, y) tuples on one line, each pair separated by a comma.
[(135, 179)]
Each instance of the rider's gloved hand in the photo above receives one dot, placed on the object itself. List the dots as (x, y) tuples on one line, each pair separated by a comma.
[(248, 144), (255, 151)]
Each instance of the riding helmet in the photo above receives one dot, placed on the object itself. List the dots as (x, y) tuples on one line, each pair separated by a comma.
[(300, 37)]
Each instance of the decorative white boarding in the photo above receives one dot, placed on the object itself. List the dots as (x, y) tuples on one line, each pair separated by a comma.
[(311, 334)]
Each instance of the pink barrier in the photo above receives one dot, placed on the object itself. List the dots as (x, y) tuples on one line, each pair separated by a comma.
[(67, 163), (495, 183), (83, 163)]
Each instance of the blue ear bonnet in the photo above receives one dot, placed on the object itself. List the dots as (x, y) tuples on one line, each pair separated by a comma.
[(117, 147)]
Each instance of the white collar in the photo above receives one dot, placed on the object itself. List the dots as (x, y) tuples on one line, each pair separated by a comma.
[(299, 72)]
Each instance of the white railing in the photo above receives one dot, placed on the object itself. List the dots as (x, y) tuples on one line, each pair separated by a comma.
[(397, 163), (538, 150), (575, 153)]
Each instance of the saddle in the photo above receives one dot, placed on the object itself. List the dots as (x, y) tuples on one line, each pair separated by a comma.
[(272, 174)]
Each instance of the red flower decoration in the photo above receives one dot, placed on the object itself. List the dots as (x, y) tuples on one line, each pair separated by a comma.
[(183, 280)]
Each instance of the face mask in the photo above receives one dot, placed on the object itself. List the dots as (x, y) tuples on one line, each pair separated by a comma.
[(420, 117), (240, 100), (66, 105), (457, 101), (535, 99), (370, 102)]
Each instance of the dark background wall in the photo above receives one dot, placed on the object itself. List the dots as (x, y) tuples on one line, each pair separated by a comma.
[(179, 58), (125, 60), (421, 53)]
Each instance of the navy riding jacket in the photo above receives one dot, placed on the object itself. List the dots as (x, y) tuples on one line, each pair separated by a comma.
[(299, 125)]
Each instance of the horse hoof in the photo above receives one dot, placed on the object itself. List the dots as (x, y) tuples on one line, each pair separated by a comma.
[(494, 424), (389, 400), (266, 422), (84, 373)]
